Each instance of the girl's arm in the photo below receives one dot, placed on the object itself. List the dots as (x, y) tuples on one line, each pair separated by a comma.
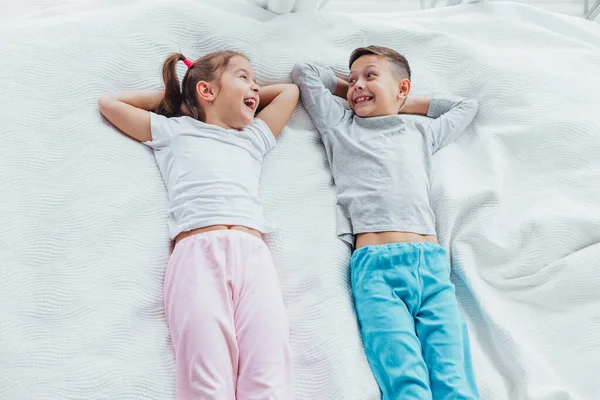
[(128, 111), (277, 102)]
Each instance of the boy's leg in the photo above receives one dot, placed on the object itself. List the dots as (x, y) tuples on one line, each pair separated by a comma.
[(199, 312), (443, 332), (381, 292), (265, 366)]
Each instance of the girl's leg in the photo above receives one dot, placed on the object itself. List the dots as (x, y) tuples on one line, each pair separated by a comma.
[(199, 310), (265, 366)]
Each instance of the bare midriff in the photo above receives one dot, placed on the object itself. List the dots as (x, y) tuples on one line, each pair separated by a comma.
[(377, 238), (251, 231)]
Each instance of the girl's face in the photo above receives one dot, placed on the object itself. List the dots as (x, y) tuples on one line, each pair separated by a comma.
[(237, 94)]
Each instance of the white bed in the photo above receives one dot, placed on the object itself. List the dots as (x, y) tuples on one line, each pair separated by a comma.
[(83, 234), (589, 9), (579, 8)]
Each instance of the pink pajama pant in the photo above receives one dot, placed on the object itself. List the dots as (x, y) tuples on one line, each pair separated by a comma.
[(227, 319)]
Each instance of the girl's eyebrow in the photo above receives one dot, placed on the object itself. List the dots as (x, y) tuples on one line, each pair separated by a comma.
[(245, 71)]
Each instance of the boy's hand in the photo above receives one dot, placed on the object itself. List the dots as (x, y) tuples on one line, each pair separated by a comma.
[(418, 105), (342, 86)]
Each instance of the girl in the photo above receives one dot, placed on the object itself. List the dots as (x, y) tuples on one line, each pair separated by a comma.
[(221, 293)]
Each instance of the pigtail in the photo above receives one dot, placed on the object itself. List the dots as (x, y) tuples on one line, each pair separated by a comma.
[(170, 105)]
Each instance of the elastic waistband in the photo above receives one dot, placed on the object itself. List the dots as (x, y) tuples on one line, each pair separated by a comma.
[(219, 232), (399, 246)]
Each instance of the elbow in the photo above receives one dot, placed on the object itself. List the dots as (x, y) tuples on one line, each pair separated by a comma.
[(294, 91), (475, 108), (299, 72), (292, 94), (473, 105), (299, 66), (296, 94), (470, 108), (104, 103)]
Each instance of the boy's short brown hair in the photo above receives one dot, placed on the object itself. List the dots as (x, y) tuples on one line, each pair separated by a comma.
[(396, 59)]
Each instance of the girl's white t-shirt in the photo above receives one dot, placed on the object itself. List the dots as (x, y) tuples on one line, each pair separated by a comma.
[(211, 173)]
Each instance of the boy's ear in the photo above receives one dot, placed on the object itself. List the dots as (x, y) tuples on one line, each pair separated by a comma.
[(403, 88)]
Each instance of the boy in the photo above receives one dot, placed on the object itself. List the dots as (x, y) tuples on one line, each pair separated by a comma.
[(415, 338)]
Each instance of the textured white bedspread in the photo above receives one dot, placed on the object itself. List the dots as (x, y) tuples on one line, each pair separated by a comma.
[(83, 233)]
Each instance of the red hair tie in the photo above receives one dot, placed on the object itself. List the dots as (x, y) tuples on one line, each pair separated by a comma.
[(188, 62)]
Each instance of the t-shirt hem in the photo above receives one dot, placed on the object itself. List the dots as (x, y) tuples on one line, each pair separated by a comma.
[(388, 228), (263, 228)]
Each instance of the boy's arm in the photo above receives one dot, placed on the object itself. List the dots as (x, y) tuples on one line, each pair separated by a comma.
[(451, 116), (317, 87), (341, 88)]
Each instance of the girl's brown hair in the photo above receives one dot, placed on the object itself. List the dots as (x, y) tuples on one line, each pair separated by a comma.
[(206, 69)]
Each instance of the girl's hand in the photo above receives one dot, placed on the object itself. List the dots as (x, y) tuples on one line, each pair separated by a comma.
[(184, 110)]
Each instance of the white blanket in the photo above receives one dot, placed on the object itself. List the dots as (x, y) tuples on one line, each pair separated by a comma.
[(83, 233), (285, 6)]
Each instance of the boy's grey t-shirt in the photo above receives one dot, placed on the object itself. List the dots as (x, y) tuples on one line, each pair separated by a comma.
[(381, 165)]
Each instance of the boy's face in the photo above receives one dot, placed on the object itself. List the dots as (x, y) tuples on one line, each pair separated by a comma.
[(375, 89)]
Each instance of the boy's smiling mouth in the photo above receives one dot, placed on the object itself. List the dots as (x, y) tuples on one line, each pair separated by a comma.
[(362, 100)]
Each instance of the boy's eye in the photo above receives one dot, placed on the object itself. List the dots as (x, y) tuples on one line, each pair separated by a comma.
[(243, 77), (351, 80), (370, 74)]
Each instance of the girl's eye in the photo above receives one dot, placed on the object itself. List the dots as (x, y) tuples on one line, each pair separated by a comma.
[(370, 74), (243, 77), (351, 80)]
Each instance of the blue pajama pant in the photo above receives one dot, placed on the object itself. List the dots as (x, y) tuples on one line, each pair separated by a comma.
[(415, 338)]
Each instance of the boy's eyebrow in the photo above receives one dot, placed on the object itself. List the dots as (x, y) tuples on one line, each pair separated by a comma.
[(367, 66)]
